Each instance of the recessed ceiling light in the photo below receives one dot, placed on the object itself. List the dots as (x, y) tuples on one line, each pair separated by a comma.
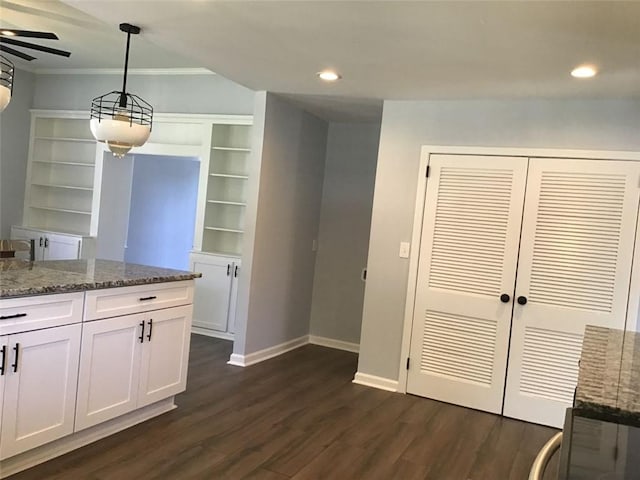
[(8, 33), (329, 76), (584, 71)]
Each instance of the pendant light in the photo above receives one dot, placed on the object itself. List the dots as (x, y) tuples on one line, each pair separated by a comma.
[(120, 119), (6, 81)]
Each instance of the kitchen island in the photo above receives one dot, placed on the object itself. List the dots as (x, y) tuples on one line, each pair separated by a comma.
[(87, 348)]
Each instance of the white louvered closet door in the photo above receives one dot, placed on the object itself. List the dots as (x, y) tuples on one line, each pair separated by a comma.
[(468, 257), (574, 269)]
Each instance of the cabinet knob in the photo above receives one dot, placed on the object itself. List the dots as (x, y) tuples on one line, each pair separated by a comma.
[(522, 300), (504, 298)]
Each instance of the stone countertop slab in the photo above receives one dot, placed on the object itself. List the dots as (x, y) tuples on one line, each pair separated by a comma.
[(609, 379), (19, 278)]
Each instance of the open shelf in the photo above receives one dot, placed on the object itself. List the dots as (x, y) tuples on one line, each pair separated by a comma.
[(226, 202), (221, 229), (67, 139), (73, 164), (69, 187), (62, 210), (227, 175), (232, 149)]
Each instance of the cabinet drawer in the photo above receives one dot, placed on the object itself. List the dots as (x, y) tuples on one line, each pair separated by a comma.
[(113, 302), (44, 311)]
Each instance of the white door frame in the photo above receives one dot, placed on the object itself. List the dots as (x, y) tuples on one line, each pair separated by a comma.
[(633, 305)]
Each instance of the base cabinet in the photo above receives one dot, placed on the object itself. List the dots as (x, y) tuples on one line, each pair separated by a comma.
[(40, 380), (131, 361), (56, 246), (216, 292)]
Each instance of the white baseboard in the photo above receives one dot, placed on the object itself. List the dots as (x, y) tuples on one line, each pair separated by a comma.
[(71, 442), (333, 343), (212, 333), (262, 355), (376, 382)]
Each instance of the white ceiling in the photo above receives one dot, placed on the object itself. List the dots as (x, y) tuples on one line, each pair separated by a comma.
[(384, 49)]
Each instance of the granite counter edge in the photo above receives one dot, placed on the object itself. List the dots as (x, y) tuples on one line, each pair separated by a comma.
[(82, 286)]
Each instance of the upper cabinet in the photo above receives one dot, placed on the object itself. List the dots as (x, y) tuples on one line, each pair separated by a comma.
[(61, 173)]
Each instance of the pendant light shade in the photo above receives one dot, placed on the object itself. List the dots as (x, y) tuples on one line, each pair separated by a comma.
[(120, 119), (6, 81)]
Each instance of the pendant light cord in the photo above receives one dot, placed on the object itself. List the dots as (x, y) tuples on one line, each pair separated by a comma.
[(123, 95)]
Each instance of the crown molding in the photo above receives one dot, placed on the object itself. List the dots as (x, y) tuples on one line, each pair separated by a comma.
[(118, 71)]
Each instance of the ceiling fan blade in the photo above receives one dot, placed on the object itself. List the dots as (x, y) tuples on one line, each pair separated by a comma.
[(33, 46), (30, 33), (11, 51)]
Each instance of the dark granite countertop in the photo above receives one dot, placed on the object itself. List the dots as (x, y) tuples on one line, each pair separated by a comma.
[(609, 379), (19, 278)]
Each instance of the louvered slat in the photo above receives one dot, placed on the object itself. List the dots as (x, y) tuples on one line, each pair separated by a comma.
[(471, 222), (550, 364), (578, 222), (458, 347)]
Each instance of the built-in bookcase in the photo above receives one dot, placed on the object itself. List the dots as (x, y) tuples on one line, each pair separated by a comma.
[(60, 174), (226, 189)]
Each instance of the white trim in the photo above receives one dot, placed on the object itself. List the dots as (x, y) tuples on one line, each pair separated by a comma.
[(267, 353), (157, 117), (414, 257), (376, 382), (74, 441), (532, 152), (212, 333), (118, 71), (333, 343)]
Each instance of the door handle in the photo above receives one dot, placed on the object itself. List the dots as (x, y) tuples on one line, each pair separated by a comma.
[(522, 300), (504, 298), (4, 359), (15, 363), (141, 337), (150, 329)]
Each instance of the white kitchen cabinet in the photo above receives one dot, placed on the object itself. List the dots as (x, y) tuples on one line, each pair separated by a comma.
[(40, 376), (165, 352), (109, 369), (56, 246), (4, 361), (216, 292), (131, 361)]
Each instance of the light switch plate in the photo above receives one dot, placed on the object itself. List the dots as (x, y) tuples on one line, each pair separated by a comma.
[(404, 249)]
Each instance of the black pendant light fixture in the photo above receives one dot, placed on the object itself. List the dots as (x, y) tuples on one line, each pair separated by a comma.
[(6, 81), (122, 120)]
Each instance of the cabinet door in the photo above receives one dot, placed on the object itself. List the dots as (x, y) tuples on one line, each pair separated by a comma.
[(109, 369), (165, 354), (61, 247), (574, 270), (37, 237), (4, 366), (40, 390), (212, 293), (468, 257), (233, 300)]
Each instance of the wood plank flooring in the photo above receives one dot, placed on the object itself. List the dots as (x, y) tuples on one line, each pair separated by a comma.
[(299, 417)]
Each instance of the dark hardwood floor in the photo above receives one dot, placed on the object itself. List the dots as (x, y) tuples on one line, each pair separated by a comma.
[(298, 416)]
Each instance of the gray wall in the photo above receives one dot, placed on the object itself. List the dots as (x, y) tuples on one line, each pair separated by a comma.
[(15, 123), (284, 203), (345, 222), (167, 93), (406, 126)]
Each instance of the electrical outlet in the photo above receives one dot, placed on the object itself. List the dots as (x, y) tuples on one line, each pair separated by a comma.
[(404, 249)]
